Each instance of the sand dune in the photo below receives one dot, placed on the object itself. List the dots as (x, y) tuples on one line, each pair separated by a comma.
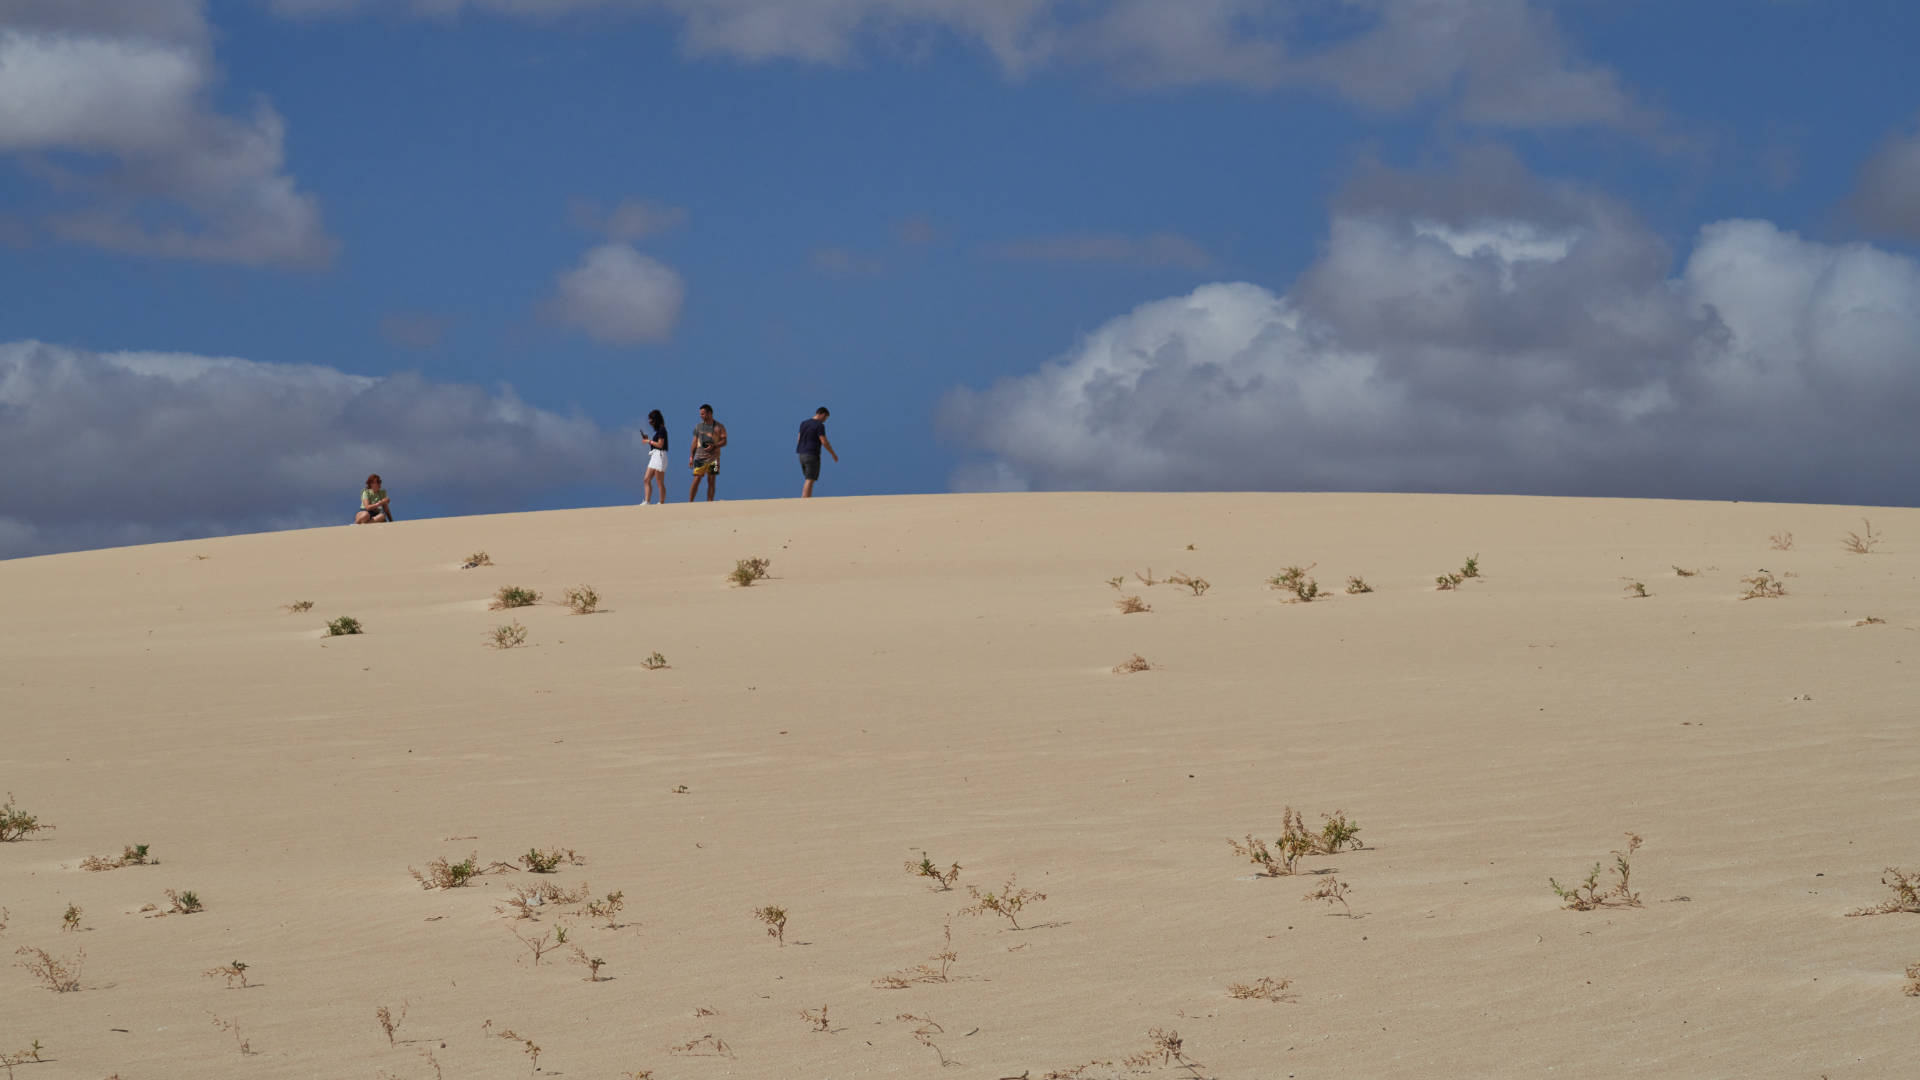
[(934, 674)]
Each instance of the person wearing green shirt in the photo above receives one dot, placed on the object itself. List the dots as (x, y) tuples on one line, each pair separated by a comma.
[(374, 503)]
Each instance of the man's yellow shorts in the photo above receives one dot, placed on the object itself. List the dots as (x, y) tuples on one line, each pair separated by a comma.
[(707, 468)]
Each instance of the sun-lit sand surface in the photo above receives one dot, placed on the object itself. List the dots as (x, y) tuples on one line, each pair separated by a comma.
[(934, 674)]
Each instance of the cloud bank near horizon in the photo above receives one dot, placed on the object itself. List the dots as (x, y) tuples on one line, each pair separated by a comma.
[(140, 447), (1488, 332)]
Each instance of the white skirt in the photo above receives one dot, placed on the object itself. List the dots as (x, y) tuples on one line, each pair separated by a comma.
[(657, 460)]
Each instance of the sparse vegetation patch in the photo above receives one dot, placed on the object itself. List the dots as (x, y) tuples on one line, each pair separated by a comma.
[(1294, 580), (507, 636), (583, 600), (1132, 605), (1906, 894), (1862, 543), (513, 596), (1134, 663), (1587, 895), (942, 879), (300, 605), (1358, 585), (16, 823), (1762, 586), (342, 626), (747, 571), (1007, 903), (1261, 989)]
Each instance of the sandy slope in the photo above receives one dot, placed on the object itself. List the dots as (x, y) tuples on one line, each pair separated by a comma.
[(933, 674)]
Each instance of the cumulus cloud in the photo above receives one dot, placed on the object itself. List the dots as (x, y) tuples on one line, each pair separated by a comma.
[(136, 447), (619, 296), (1162, 249), (1505, 61), (1455, 344), (109, 102), (1887, 195)]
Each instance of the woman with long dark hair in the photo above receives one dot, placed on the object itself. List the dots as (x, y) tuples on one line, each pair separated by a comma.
[(656, 457)]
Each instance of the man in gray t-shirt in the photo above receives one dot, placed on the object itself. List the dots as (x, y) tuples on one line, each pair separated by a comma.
[(703, 451)]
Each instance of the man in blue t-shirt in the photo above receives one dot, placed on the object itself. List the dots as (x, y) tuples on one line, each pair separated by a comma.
[(813, 436)]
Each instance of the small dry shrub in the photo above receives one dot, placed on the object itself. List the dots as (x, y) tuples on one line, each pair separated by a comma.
[(441, 874), (927, 972), (1297, 842), (1294, 579), (390, 1023), (232, 1027), (300, 605), (747, 571), (1261, 989), (524, 901), (548, 941), (1333, 891), (776, 919), (342, 626), (1637, 590), (16, 823), (1131, 665), (509, 636), (1165, 1049), (1762, 586), (232, 971), (478, 558), (817, 1018), (924, 1031), (1358, 585), (1145, 579), (583, 600), (513, 596), (1132, 605), (593, 964), (1906, 894), (1198, 585), (1871, 620), (531, 1049), (608, 907), (1681, 571), (654, 662), (70, 921), (22, 1056), (1861, 544), (1115, 582), (186, 902), (62, 976), (942, 879), (1007, 903), (704, 1046), (1781, 541), (1587, 895), (1913, 980)]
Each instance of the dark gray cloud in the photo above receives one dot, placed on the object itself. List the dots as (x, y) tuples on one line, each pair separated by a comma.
[(1537, 341), (138, 447), (1887, 195), (126, 87)]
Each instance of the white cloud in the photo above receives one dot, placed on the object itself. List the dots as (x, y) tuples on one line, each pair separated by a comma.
[(1887, 195), (1162, 249), (1458, 350), (619, 296), (1504, 61), (124, 87), (135, 447)]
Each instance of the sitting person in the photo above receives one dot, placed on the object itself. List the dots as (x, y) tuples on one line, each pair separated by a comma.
[(374, 503)]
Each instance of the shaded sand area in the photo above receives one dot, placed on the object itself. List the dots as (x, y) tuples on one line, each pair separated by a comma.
[(935, 674)]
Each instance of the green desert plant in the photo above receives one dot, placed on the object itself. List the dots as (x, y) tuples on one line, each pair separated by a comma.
[(186, 902), (62, 976), (546, 862), (1446, 582), (747, 571), (593, 964), (513, 596), (654, 662), (1294, 579), (1358, 585), (1862, 544), (508, 636), (583, 600), (70, 921), (232, 971), (441, 874), (776, 919), (342, 626), (16, 823), (608, 907), (300, 605), (1762, 586), (1007, 903), (133, 855), (1131, 604), (1587, 895), (1906, 894), (1296, 842), (1470, 568), (942, 879), (1198, 585)]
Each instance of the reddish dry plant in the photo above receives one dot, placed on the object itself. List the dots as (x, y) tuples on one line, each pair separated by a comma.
[(1862, 544), (1297, 842), (776, 919), (1131, 604), (1781, 541), (817, 1019), (704, 1046), (1167, 1048), (1261, 989), (60, 975), (924, 973), (1007, 903), (233, 971), (593, 964), (1587, 895), (1906, 894), (924, 1031), (1333, 891), (390, 1023)]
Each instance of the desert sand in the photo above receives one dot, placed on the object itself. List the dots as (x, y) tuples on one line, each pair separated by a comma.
[(935, 674)]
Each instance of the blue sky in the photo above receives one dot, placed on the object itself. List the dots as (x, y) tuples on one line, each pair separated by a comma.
[(252, 249)]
